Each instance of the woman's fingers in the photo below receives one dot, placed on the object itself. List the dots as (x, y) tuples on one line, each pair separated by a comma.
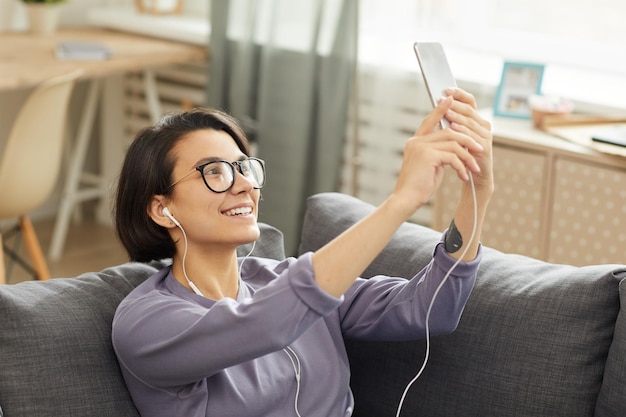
[(458, 108), (462, 137), (466, 145), (431, 121), (468, 127), (461, 96), (459, 157), (465, 119), (446, 153), (463, 112)]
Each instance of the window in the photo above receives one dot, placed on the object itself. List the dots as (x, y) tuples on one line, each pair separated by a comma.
[(582, 43)]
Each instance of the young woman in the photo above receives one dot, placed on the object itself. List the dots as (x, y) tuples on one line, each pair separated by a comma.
[(214, 336)]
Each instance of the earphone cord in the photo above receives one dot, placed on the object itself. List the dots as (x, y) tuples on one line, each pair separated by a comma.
[(246, 257), (296, 368), (191, 284), (432, 301)]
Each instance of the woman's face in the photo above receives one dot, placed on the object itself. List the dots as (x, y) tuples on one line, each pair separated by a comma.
[(209, 218)]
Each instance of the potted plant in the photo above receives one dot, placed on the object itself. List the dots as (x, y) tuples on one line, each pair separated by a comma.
[(43, 15)]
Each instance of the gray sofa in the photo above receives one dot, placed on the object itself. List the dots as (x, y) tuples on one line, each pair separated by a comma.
[(536, 339)]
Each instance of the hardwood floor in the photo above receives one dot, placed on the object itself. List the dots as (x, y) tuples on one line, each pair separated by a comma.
[(89, 247)]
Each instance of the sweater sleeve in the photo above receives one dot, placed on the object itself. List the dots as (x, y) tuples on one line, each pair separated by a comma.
[(395, 309), (165, 340)]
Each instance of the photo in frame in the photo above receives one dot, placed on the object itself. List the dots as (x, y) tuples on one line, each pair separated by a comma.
[(519, 81)]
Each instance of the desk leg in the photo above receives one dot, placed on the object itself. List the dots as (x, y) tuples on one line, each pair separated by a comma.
[(111, 153), (71, 192)]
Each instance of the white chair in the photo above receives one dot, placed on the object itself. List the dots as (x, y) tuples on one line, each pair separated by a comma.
[(30, 163)]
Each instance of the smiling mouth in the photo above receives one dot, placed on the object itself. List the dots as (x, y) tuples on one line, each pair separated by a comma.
[(240, 211)]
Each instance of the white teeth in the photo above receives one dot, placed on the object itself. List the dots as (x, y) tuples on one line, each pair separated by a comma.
[(238, 211)]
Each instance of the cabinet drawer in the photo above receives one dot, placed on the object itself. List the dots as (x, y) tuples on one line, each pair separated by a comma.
[(588, 222), (514, 221)]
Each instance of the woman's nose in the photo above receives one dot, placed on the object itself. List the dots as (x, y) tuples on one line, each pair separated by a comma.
[(241, 183)]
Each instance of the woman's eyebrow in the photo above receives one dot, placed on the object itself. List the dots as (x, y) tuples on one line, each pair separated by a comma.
[(208, 159)]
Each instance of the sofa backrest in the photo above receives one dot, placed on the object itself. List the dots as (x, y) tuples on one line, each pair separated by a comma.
[(532, 341), (56, 357)]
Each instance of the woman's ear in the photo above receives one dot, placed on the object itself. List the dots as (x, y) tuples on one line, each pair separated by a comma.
[(156, 212)]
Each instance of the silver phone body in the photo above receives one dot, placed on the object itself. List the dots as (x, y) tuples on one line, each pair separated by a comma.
[(435, 71)]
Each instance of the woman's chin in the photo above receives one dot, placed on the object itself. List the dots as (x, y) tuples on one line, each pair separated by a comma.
[(252, 234)]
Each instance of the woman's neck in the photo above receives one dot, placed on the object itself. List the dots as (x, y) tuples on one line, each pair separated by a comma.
[(214, 273)]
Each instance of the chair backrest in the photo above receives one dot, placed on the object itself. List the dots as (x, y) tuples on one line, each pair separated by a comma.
[(31, 159)]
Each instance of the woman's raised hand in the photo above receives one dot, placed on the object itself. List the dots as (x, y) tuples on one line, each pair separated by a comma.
[(465, 146)]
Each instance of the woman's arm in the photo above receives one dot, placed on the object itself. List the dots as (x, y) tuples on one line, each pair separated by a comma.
[(464, 118), (387, 308), (465, 146)]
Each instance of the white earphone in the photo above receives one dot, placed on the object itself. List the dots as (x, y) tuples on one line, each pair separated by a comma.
[(167, 212)]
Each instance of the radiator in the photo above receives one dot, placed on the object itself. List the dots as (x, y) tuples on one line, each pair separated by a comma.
[(180, 86), (387, 109)]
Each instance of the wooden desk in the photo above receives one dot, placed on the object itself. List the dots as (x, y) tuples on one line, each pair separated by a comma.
[(27, 60)]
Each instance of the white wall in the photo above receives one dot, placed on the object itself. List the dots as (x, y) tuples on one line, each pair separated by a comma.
[(73, 13)]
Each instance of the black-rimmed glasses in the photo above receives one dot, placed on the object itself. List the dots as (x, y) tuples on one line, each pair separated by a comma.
[(219, 176)]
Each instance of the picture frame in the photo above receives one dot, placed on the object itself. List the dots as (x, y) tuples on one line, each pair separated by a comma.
[(519, 80)]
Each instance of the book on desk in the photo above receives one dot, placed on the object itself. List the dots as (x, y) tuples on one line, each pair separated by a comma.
[(82, 50)]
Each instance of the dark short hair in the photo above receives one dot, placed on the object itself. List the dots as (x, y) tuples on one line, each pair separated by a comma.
[(147, 171)]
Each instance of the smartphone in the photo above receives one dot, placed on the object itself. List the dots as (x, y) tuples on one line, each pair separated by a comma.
[(435, 71)]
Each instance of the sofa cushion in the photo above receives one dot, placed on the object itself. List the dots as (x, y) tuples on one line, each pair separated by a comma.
[(55, 345), (56, 357), (611, 400), (532, 340)]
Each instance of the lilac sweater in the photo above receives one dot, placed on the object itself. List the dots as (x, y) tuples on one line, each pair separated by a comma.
[(188, 356)]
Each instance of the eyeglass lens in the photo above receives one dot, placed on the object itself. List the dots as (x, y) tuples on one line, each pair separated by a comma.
[(219, 176)]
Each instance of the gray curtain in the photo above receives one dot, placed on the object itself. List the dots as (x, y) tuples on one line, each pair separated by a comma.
[(285, 69)]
